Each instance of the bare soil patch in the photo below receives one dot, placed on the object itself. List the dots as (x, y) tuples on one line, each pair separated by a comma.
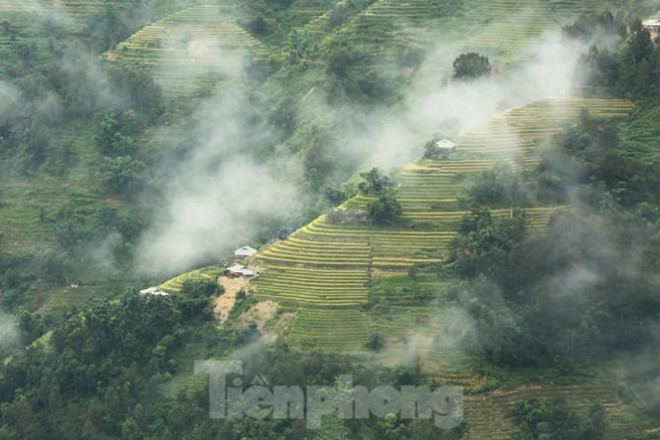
[(223, 304), (260, 313)]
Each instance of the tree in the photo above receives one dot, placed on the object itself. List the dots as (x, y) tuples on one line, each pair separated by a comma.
[(471, 66), (499, 186), (122, 175), (385, 210), (430, 149), (375, 182), (258, 25), (555, 421), (114, 134), (52, 267), (639, 45), (482, 243), (376, 342)]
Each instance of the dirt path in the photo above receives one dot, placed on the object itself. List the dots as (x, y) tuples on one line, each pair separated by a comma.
[(223, 304)]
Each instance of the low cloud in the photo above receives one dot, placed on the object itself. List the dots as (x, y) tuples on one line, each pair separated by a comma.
[(9, 333), (435, 105), (220, 195)]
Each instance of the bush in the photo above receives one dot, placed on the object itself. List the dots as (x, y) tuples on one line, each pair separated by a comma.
[(471, 66), (385, 210)]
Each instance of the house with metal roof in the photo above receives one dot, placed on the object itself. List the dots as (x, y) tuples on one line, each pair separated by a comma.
[(244, 252)]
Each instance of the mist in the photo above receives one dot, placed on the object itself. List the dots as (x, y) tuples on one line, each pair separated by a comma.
[(9, 332), (219, 196), (435, 105)]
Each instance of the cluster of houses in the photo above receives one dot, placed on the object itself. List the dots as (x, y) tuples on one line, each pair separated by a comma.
[(236, 270)]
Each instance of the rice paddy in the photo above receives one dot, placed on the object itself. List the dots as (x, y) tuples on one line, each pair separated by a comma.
[(330, 266), (192, 47)]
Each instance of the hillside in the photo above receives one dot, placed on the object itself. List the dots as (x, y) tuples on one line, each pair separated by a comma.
[(142, 141), (324, 267)]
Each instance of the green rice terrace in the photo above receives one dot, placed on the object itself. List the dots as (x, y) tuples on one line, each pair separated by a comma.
[(133, 134), (499, 28), (325, 273), (341, 284), (196, 44), (330, 267)]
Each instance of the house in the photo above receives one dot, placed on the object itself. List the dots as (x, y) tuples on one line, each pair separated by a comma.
[(653, 26), (446, 145), (244, 252), (238, 270), (155, 291)]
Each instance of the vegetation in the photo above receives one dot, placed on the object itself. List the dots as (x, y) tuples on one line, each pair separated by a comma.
[(536, 420), (384, 210), (469, 66), (527, 256)]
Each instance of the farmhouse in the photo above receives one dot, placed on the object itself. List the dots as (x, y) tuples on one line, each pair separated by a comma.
[(238, 270), (653, 26), (446, 145), (244, 252), (155, 291)]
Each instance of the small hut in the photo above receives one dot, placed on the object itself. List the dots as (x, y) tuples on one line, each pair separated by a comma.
[(154, 291), (445, 146), (244, 252), (238, 270)]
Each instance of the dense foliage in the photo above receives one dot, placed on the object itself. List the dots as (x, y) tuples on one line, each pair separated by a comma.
[(555, 421), (472, 65), (86, 147)]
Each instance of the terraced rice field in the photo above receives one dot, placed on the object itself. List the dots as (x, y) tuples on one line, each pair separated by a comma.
[(24, 208), (330, 330), (175, 284), (497, 27), (79, 12), (489, 417), (309, 10), (326, 265), (336, 287), (196, 45), (74, 14), (388, 26), (11, 6), (511, 25)]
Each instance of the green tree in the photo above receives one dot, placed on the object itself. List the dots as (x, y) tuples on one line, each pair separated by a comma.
[(639, 45), (114, 133), (376, 342), (555, 421), (122, 175), (471, 66), (374, 182), (384, 210)]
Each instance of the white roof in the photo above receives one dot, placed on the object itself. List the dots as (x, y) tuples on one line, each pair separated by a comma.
[(245, 251), (651, 22), (237, 268), (153, 291), (445, 144)]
